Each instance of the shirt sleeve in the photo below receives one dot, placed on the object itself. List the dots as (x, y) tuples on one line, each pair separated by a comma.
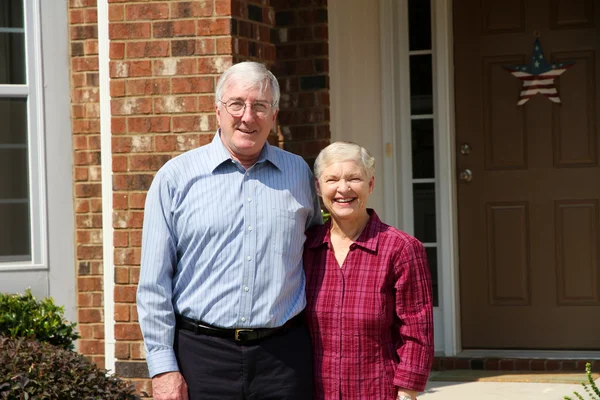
[(158, 264), (414, 308)]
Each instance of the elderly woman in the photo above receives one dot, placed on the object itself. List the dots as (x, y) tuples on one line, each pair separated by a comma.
[(368, 289)]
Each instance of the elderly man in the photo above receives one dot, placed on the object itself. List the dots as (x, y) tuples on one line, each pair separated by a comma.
[(221, 287)]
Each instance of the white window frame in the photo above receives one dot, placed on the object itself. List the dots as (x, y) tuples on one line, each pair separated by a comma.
[(32, 91)]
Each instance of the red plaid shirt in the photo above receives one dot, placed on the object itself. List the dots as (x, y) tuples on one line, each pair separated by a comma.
[(371, 322)]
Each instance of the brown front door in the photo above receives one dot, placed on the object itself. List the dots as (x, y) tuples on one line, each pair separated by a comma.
[(529, 218)]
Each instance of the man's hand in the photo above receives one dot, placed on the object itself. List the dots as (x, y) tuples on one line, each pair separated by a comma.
[(169, 386)]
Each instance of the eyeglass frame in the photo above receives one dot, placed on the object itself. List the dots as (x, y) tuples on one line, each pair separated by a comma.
[(243, 110)]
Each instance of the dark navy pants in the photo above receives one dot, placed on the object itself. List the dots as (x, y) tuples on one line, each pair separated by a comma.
[(275, 368)]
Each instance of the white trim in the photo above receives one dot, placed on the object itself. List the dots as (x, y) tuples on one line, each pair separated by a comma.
[(388, 112), (14, 90), (107, 204), (443, 76), (403, 116)]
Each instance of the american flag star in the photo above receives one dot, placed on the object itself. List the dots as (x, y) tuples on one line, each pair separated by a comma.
[(538, 76)]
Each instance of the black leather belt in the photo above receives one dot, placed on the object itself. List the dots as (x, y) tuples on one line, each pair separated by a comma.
[(241, 335)]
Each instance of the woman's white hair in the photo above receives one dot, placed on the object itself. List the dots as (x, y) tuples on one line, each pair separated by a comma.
[(345, 151), (249, 75)]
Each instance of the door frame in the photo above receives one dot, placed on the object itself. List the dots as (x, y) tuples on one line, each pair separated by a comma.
[(397, 134)]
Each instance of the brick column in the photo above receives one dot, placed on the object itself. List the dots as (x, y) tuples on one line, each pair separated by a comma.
[(85, 113)]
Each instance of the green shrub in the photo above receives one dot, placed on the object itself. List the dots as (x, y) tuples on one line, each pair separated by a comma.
[(591, 389), (22, 315), (33, 370)]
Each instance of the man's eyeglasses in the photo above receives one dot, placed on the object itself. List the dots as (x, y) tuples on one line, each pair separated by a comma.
[(236, 108)]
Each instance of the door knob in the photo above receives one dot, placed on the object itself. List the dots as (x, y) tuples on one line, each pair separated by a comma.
[(466, 175)]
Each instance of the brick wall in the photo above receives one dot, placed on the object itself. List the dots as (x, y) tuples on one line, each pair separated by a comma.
[(302, 68), (85, 112), (165, 58)]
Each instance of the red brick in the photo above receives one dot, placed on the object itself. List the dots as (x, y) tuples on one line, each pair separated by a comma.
[(224, 45), (85, 64), (122, 350), (121, 275), (175, 104), (119, 164), (214, 65), (135, 237), (146, 125), (155, 48), (118, 125), (88, 221), (193, 85), (132, 182), (206, 103), (83, 32), (147, 11), (146, 162), (89, 315), (91, 347), (90, 16), (131, 106), (82, 206), (189, 9), (88, 190), (81, 173), (116, 12), (121, 144), (134, 277), (205, 46), (144, 87), (120, 201), (75, 17), (116, 50), (166, 143), (223, 7), (140, 30), (129, 219), (174, 29), (213, 26), (125, 294), (89, 253), (122, 313), (121, 239), (117, 88), (127, 332), (137, 351)]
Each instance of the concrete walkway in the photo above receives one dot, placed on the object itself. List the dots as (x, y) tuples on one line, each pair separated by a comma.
[(500, 390)]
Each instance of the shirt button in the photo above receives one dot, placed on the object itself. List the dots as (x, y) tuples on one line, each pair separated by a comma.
[(249, 228), (249, 199), (243, 319), (249, 258), (246, 288)]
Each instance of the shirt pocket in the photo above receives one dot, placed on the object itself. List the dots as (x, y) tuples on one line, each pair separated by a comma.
[(288, 232)]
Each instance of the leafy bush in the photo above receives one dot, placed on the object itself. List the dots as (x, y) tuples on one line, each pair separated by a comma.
[(33, 370), (22, 315), (591, 389)]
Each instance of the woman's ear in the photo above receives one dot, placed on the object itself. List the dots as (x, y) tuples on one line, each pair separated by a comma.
[(371, 184), (318, 187)]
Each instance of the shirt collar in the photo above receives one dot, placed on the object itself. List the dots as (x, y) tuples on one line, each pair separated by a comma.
[(368, 238), (220, 154)]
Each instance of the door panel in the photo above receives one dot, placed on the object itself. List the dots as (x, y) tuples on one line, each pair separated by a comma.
[(529, 218)]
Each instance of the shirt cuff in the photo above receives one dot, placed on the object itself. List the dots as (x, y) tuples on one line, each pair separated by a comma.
[(410, 380), (161, 361)]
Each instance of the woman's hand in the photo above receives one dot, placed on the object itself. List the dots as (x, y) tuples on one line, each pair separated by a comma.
[(405, 394)]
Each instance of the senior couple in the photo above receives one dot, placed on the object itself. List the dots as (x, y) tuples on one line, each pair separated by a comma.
[(245, 294)]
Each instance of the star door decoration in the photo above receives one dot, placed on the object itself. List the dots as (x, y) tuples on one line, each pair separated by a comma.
[(539, 76)]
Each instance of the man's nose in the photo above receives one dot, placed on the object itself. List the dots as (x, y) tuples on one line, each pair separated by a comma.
[(248, 114)]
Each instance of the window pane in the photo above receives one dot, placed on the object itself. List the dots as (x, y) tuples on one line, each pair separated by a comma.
[(13, 174), (12, 58), (14, 231), (424, 215), (421, 84), (13, 114), (419, 17), (432, 260), (11, 14), (423, 149)]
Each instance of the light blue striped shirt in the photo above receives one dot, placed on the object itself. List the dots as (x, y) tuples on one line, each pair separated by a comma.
[(223, 244)]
